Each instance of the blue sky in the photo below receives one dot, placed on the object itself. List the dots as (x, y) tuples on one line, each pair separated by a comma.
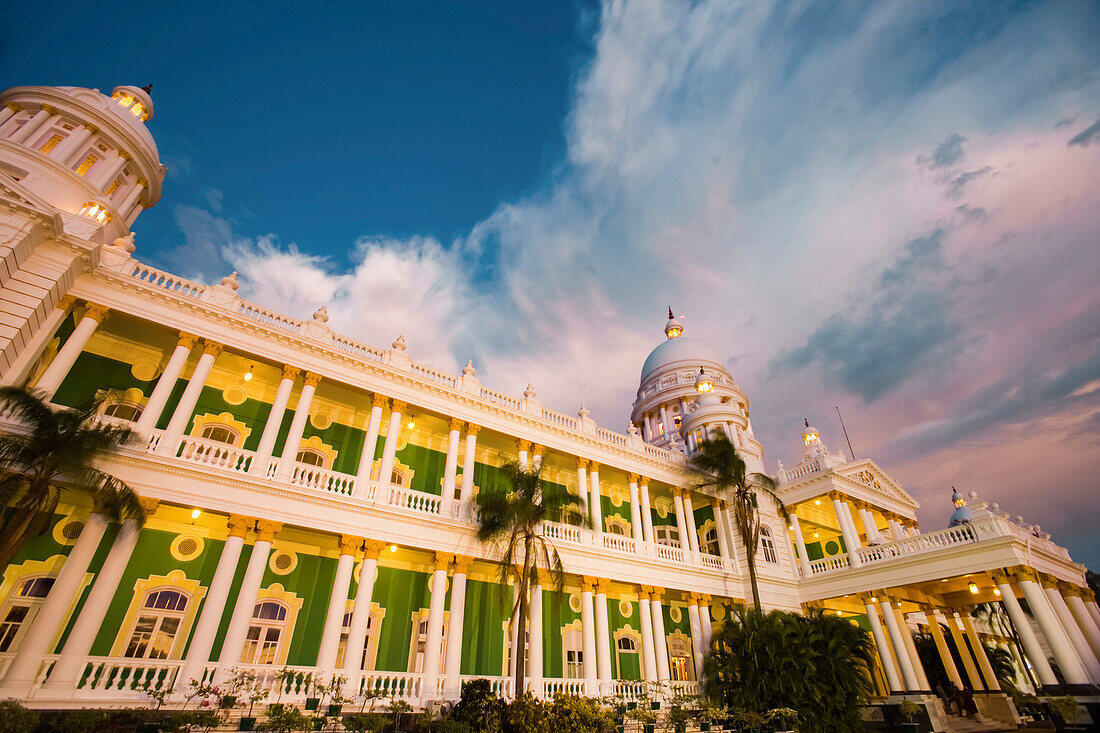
[(890, 207)]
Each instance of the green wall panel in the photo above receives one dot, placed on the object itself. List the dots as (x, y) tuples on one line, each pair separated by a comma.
[(91, 373), (400, 592), (482, 628), (556, 614)]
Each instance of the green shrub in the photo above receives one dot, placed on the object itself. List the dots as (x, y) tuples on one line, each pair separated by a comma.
[(286, 719), (447, 725), (479, 708), (572, 714), (17, 719), (84, 721), (526, 714), (365, 722)]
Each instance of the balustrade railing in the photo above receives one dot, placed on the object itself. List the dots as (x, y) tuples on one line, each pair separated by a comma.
[(214, 454), (268, 317), (313, 477), (134, 676), (166, 281), (417, 501), (828, 564), (619, 543), (673, 554)]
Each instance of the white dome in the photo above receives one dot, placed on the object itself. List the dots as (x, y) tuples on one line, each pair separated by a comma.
[(688, 351)]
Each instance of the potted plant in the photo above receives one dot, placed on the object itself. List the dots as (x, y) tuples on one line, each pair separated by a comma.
[(1067, 709), (398, 708), (645, 716), (909, 710), (783, 719), (748, 720), (252, 694)]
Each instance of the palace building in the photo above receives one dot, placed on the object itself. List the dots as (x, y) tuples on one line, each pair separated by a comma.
[(309, 498)]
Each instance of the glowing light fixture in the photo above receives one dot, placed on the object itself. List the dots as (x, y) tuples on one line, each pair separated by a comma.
[(96, 212), (195, 513), (411, 424), (996, 591), (817, 501), (703, 383), (816, 535), (248, 374), (393, 548), (874, 599), (840, 613), (973, 587)]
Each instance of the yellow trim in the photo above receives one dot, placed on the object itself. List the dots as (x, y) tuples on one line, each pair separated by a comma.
[(176, 580), (629, 606), (617, 496), (315, 444), (627, 631), (58, 526), (422, 615), (281, 571), (574, 625), (175, 550), (51, 566), (378, 614), (686, 640), (276, 592), (615, 520), (201, 421)]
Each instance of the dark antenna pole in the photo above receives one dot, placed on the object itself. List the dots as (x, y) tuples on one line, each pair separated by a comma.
[(852, 452)]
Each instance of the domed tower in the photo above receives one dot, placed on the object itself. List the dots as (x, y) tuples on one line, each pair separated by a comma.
[(685, 392), (83, 152)]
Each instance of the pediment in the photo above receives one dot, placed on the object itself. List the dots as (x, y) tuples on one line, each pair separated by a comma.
[(866, 476), (12, 191)]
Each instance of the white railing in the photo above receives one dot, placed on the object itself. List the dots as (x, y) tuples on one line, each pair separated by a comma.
[(214, 454), (963, 534), (417, 501), (390, 684), (683, 687), (166, 281), (562, 532), (631, 690), (556, 418), (619, 543), (554, 687), (800, 471), (828, 564), (433, 375), (612, 437), (499, 398), (673, 554), (356, 348), (134, 676), (268, 317), (500, 686), (314, 477), (713, 561)]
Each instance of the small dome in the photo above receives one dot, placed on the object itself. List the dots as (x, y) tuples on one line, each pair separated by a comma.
[(680, 349), (962, 514), (810, 434)]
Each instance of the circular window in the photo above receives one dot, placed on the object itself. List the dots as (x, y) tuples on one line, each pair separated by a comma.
[(321, 421), (675, 614), (662, 507), (187, 547), (575, 602), (718, 611), (626, 608), (145, 370), (67, 531), (831, 548), (617, 497), (283, 562), (234, 395)]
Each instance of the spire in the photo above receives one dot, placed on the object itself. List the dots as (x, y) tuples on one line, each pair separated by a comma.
[(148, 89), (670, 316), (807, 421), (673, 328)]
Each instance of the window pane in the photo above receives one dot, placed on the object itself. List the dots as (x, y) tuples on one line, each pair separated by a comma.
[(36, 587)]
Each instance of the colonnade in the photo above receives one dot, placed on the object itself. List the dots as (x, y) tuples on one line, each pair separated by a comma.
[(846, 509), (440, 677)]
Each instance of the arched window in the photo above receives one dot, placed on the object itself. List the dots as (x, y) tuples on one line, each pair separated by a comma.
[(667, 535), (397, 478), (420, 641), (710, 542), (23, 606), (616, 528), (573, 648), (767, 545), (265, 633), (680, 660), (627, 660), (124, 410), (219, 434), (157, 624), (312, 457), (345, 631)]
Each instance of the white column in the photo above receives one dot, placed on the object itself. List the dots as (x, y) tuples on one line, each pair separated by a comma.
[(177, 426), (6, 112), (150, 413), (337, 606), (696, 627), (68, 148), (522, 447), (681, 520), (647, 511), (274, 422), (1076, 637), (202, 641), (1089, 599), (867, 519), (289, 460), (726, 527), (233, 643), (595, 505), (635, 510), (133, 215), (991, 682), (689, 516), (660, 647), (66, 671), (389, 449), (1068, 661), (31, 126), (704, 621), (534, 644), (723, 541), (429, 688), (582, 483), (645, 621), (450, 467), (847, 530), (466, 493), (888, 664), (896, 532), (911, 649), (131, 197), (108, 169), (452, 666), (39, 640), (360, 614), (1027, 636), (603, 637), (370, 441), (964, 653), (670, 427), (1080, 613), (59, 368), (588, 637), (648, 427), (907, 672), (941, 646), (800, 543)]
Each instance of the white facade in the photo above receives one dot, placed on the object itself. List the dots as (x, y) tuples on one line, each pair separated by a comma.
[(76, 169)]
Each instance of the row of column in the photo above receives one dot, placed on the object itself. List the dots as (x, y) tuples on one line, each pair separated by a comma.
[(843, 507), (381, 408)]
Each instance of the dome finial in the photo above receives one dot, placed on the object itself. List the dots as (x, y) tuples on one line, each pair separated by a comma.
[(673, 328), (807, 421), (670, 316), (148, 89)]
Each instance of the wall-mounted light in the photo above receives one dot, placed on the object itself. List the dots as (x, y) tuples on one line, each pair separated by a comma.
[(412, 424), (195, 513), (973, 587), (996, 591), (248, 374), (393, 548), (817, 501), (816, 535), (874, 599)]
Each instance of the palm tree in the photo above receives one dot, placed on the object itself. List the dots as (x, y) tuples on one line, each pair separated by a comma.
[(514, 517), (50, 449), (723, 469)]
